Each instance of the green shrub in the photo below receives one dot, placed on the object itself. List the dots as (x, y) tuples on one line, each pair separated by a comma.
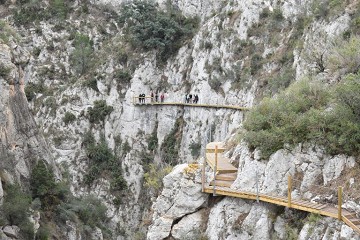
[(59, 9), (30, 12), (265, 13), (51, 105), (102, 160), (346, 55), (152, 140), (91, 83), (89, 210), (69, 118), (154, 175), (43, 233), (126, 147), (308, 112), (118, 183), (256, 63), (215, 83), (81, 56), (42, 185), (281, 80), (16, 210), (99, 152), (171, 144), (99, 112), (275, 122), (6, 32), (150, 28), (31, 89), (277, 15), (195, 149), (4, 71), (123, 76)]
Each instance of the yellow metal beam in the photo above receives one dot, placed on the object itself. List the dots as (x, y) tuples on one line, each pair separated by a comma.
[(135, 99)]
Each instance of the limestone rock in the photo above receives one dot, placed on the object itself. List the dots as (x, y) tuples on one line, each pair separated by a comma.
[(160, 229), (190, 226), (334, 166), (225, 216), (97, 234), (181, 195), (3, 236), (278, 168), (279, 227), (11, 231)]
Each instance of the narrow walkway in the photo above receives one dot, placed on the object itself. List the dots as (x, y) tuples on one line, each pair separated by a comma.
[(221, 185), (148, 103)]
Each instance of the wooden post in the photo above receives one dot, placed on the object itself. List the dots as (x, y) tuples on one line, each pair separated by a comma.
[(289, 190), (339, 203), (215, 169), (203, 175)]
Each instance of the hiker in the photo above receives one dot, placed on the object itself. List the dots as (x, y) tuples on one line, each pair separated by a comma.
[(143, 98), (190, 98), (186, 98), (162, 97), (196, 98), (156, 97), (140, 95), (152, 96)]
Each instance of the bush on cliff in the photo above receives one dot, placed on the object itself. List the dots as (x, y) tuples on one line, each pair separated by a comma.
[(149, 28), (308, 112)]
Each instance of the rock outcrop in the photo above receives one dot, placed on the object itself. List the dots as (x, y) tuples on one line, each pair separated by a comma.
[(237, 52), (180, 197)]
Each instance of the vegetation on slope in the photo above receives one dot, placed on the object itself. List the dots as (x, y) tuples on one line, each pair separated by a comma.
[(149, 28), (308, 112), (55, 204)]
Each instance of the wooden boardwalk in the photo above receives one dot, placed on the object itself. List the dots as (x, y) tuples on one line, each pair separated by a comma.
[(149, 103), (221, 185)]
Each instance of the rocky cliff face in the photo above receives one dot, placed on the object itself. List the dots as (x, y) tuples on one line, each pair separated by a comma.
[(21, 142), (315, 179), (238, 55)]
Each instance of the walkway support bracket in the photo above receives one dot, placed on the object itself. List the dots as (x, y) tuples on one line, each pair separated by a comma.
[(289, 190), (339, 203)]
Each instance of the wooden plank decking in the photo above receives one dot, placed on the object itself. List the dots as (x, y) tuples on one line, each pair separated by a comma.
[(226, 175), (136, 103)]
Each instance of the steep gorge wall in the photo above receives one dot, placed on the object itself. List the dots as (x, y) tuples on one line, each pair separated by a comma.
[(216, 54)]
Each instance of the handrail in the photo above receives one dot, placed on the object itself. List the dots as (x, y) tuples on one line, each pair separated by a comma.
[(152, 102), (323, 209)]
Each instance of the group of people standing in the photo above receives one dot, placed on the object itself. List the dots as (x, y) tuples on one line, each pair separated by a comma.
[(162, 97), (189, 98), (153, 97), (142, 98)]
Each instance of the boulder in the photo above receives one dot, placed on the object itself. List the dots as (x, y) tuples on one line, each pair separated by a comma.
[(11, 231), (190, 226), (180, 196)]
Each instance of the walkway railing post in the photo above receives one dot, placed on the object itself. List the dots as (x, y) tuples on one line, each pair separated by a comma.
[(289, 190), (215, 169), (339, 203)]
